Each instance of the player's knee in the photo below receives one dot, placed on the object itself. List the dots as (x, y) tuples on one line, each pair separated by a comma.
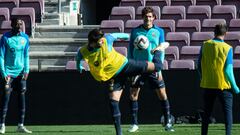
[(161, 84)]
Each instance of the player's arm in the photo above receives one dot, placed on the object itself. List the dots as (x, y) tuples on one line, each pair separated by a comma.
[(26, 60), (163, 45), (79, 60), (2, 57), (228, 70), (120, 36)]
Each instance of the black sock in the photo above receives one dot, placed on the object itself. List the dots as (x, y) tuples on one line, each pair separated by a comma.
[(166, 111), (134, 112), (114, 105)]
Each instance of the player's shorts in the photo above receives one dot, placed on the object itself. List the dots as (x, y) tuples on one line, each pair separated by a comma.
[(152, 79), (132, 68)]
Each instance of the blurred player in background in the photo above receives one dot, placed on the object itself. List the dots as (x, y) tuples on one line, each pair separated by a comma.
[(108, 66), (155, 36), (217, 79)]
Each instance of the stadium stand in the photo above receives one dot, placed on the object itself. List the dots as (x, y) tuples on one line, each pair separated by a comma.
[(185, 3), (130, 24), (109, 26), (10, 4), (237, 52), (4, 14), (155, 8), (178, 39), (197, 38), (211, 3), (171, 53), (38, 6), (134, 3), (190, 52), (188, 25), (199, 12), (182, 64), (167, 25), (122, 13), (234, 25), (226, 12), (173, 12), (236, 63), (160, 3), (232, 38), (209, 24)]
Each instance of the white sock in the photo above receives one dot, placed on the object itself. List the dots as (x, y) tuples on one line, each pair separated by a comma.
[(20, 125)]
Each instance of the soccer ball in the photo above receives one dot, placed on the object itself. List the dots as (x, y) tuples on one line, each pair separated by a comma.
[(141, 42)]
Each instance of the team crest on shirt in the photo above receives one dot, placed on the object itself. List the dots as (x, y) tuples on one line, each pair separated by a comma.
[(154, 34), (22, 41)]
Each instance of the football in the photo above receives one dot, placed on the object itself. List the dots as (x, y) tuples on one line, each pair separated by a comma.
[(141, 42)]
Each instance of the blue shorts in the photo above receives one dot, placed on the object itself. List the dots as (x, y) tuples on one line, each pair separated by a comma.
[(152, 78), (132, 68)]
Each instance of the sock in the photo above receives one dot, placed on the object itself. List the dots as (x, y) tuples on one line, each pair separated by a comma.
[(157, 61), (166, 111), (114, 105), (20, 124), (134, 112)]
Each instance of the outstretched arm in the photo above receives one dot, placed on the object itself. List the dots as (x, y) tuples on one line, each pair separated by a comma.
[(228, 70), (79, 59)]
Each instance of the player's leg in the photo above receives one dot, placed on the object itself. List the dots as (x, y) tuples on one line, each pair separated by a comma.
[(115, 92), (209, 97), (7, 89), (21, 88), (226, 99)]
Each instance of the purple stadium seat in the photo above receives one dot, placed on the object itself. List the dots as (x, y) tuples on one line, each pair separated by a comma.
[(182, 64), (10, 4), (199, 12), (110, 26), (130, 24), (226, 12), (209, 24), (236, 63), (190, 52), (28, 16), (188, 25), (232, 2), (160, 3), (237, 52), (133, 3), (4, 14), (167, 25), (232, 38), (38, 5), (172, 53), (71, 65), (197, 38), (155, 8), (234, 25), (122, 50), (5, 26), (185, 3), (173, 12), (178, 39), (122, 13), (211, 3)]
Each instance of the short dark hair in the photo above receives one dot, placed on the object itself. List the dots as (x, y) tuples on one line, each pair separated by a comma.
[(14, 21), (147, 10), (94, 35), (220, 29)]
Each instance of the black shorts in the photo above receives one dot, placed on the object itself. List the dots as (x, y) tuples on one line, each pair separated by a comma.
[(132, 68)]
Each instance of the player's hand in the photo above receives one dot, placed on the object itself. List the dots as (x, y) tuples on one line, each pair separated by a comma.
[(7, 79), (236, 90), (161, 47), (25, 76)]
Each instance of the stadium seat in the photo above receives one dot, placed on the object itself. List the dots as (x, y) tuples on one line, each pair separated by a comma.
[(156, 10), (38, 5), (133, 3), (236, 63), (165, 65), (111, 26), (188, 25), (4, 14), (236, 52), (173, 12), (28, 16), (209, 24), (185, 3), (122, 50), (197, 38), (160, 3), (167, 25), (226, 12), (122, 13), (232, 2), (211, 3), (5, 26), (172, 53), (199, 12), (190, 52), (182, 64), (234, 25), (178, 39), (232, 38), (130, 24), (71, 65), (10, 4)]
